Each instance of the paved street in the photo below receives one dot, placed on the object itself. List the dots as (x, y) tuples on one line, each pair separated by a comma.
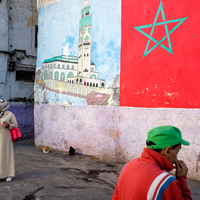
[(58, 176)]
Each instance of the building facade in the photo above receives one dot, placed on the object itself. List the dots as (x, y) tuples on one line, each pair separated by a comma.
[(18, 48), (18, 55)]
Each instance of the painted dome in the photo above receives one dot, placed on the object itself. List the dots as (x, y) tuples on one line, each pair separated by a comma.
[(86, 4)]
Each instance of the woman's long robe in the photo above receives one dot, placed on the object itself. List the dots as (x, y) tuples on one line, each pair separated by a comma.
[(7, 163)]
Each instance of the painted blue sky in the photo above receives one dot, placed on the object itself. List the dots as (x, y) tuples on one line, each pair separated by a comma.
[(59, 30)]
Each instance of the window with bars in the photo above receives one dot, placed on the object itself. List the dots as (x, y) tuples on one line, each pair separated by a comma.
[(25, 76)]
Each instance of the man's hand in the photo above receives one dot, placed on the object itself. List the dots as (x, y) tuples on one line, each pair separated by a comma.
[(6, 124), (181, 168)]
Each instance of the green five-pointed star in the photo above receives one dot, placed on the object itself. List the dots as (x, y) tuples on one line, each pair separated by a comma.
[(155, 23)]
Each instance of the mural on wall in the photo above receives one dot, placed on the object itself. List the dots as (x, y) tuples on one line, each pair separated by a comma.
[(160, 54), (67, 29)]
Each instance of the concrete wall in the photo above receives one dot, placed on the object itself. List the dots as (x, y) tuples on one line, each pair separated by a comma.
[(4, 44), (25, 120), (17, 43), (114, 133), (154, 90)]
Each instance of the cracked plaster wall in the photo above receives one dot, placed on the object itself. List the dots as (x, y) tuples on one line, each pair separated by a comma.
[(114, 133), (17, 21), (17, 31), (4, 43)]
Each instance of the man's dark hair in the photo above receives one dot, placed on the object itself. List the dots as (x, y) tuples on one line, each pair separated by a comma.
[(150, 143), (173, 147)]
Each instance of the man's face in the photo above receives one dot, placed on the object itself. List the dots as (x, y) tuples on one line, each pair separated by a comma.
[(172, 154)]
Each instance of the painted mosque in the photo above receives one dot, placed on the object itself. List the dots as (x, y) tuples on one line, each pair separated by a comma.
[(73, 74)]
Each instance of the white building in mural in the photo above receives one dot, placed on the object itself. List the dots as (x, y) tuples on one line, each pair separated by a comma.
[(72, 74)]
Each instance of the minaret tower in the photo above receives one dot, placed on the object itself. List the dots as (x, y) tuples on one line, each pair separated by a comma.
[(85, 35)]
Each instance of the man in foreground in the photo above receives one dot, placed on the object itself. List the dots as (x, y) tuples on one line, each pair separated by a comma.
[(147, 178)]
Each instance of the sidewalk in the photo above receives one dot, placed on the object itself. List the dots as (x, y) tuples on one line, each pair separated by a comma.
[(58, 176)]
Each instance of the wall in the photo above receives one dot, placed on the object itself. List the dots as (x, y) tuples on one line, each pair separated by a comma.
[(24, 116), (117, 133), (17, 45), (17, 39), (4, 44), (159, 82)]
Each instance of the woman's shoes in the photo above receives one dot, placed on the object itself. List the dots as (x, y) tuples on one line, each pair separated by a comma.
[(9, 179)]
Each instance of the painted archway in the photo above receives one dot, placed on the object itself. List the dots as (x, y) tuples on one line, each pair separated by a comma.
[(93, 76), (70, 75), (56, 76), (62, 76), (50, 75), (45, 75)]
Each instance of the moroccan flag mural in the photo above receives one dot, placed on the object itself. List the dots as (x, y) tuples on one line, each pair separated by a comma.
[(160, 53)]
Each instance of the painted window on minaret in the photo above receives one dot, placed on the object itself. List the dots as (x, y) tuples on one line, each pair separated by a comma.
[(89, 30), (59, 66), (86, 38), (92, 69), (63, 66), (72, 66), (87, 12), (67, 66)]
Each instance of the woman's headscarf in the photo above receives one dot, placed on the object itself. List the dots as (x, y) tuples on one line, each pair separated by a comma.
[(3, 107)]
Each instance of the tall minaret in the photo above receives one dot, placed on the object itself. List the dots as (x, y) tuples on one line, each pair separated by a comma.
[(85, 35)]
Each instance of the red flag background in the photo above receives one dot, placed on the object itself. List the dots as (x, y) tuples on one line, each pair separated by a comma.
[(160, 79)]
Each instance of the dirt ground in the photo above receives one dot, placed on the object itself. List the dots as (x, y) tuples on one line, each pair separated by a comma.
[(58, 176)]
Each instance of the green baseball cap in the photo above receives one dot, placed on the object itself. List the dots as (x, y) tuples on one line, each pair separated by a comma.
[(162, 137)]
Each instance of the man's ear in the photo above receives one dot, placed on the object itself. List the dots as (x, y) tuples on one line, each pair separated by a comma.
[(166, 151)]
